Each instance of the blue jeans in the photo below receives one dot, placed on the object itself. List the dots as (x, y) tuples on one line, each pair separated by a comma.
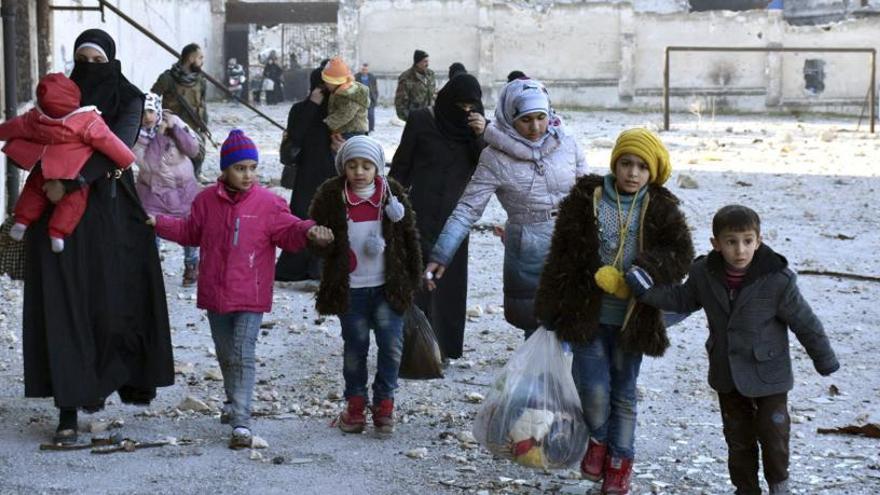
[(235, 339), (368, 309), (605, 377)]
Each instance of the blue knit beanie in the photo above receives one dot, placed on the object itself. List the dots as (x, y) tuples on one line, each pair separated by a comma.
[(236, 148)]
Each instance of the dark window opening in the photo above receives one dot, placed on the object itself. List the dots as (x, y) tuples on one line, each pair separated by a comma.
[(736, 5), (814, 75)]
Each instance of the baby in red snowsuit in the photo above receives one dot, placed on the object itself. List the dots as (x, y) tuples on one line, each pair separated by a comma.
[(60, 135)]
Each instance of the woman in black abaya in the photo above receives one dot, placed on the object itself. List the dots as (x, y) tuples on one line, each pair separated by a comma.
[(95, 319), (308, 135), (438, 153)]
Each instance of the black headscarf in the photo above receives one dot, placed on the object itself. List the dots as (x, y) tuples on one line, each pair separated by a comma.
[(315, 76), (456, 68), (452, 120), (102, 85)]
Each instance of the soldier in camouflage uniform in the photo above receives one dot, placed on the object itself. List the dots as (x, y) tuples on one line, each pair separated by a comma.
[(415, 86), (184, 81)]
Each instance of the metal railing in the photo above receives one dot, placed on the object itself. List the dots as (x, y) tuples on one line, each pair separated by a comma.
[(872, 89)]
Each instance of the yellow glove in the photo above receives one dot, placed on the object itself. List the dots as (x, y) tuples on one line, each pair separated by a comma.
[(611, 280)]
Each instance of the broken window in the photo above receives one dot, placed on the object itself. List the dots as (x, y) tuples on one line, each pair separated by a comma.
[(814, 75)]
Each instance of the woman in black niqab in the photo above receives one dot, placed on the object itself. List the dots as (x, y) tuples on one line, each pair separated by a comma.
[(437, 155), (95, 319)]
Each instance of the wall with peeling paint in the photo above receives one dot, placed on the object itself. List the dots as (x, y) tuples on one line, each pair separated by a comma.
[(610, 53), (177, 22)]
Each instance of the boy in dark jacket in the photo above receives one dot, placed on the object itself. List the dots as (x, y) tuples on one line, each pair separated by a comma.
[(751, 298)]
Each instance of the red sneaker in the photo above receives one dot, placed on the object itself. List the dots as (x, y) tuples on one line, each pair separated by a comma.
[(618, 473), (352, 419), (593, 463), (383, 416)]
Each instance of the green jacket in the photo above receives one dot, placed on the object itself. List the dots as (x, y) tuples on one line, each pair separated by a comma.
[(414, 91), (347, 110), (194, 94)]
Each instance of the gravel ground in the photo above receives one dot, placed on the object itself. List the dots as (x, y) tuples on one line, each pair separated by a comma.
[(813, 181)]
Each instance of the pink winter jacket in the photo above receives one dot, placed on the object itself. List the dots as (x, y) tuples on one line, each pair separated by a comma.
[(165, 181), (237, 240)]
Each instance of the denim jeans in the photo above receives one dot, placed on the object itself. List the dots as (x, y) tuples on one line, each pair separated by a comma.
[(368, 309), (235, 339), (605, 377)]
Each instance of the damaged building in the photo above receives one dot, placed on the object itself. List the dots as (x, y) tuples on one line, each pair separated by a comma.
[(591, 53)]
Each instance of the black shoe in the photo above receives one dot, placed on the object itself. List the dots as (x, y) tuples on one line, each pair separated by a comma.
[(65, 436)]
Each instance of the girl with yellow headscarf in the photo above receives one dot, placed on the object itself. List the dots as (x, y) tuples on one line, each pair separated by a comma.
[(606, 224)]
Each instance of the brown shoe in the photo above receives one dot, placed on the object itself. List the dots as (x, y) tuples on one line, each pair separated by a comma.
[(383, 416), (190, 276), (352, 419)]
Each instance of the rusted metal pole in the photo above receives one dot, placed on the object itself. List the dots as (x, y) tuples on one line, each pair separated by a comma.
[(172, 51), (666, 89), (873, 98)]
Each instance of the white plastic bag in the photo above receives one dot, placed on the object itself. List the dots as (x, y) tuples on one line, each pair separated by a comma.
[(532, 415)]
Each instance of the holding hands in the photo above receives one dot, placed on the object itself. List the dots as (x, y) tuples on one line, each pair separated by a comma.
[(320, 235)]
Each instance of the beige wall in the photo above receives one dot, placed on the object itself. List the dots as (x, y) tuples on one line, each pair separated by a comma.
[(568, 42), (389, 32), (610, 54)]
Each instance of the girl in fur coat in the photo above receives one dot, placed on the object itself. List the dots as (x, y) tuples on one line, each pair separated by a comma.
[(370, 274), (605, 225)]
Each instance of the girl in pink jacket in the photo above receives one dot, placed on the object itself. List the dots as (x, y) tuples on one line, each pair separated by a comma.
[(237, 225), (165, 181)]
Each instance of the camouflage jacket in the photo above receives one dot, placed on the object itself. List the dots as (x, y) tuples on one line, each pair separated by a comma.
[(347, 110), (194, 94), (414, 91)]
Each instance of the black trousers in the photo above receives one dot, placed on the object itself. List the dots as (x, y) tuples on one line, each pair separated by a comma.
[(750, 422)]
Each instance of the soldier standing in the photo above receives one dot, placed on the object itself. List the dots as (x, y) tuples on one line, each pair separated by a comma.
[(415, 86)]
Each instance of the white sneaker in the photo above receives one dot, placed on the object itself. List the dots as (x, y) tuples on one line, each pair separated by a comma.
[(57, 244), (17, 231)]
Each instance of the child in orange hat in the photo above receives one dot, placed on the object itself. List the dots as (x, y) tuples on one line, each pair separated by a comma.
[(349, 100)]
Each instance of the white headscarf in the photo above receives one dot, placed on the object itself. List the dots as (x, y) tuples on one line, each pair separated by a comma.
[(153, 102), (521, 97)]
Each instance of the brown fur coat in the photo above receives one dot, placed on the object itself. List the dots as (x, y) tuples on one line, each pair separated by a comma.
[(568, 298), (403, 256)]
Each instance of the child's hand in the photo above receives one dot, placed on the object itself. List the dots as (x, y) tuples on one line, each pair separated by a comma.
[(336, 142), (320, 235), (639, 280), (151, 220)]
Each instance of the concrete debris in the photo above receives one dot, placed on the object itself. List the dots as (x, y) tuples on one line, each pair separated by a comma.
[(686, 181), (418, 453), (190, 403)]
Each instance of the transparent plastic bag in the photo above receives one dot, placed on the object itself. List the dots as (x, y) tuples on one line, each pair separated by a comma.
[(532, 415)]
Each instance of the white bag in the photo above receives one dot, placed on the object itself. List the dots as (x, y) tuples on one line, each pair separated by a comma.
[(532, 415), (268, 85)]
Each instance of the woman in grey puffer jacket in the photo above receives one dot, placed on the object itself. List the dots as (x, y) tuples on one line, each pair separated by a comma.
[(531, 164)]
